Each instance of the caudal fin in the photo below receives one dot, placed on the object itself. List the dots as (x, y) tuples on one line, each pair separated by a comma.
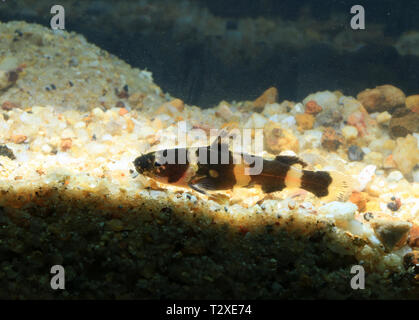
[(328, 185), (341, 187)]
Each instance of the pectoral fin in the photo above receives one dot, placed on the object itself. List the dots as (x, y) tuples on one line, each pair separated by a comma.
[(204, 184), (196, 188)]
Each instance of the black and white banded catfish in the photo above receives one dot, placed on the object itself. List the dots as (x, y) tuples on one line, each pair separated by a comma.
[(203, 176)]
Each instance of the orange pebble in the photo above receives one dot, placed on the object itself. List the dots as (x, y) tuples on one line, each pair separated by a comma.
[(66, 144), (122, 111), (305, 121), (178, 104), (360, 199), (19, 138), (357, 119), (130, 125), (313, 108), (414, 236), (269, 96)]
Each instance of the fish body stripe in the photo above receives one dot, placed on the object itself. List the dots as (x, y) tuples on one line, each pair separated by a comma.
[(317, 182)]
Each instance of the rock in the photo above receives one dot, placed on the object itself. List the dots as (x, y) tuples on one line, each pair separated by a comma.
[(389, 144), (341, 211), (305, 121), (66, 144), (313, 108), (278, 139), (288, 121), (394, 204), (375, 158), (331, 140), (382, 98), (350, 132), (365, 176), (358, 120), (224, 111), (395, 176), (349, 106), (412, 103), (6, 152), (130, 125), (256, 120), (406, 154), (18, 138), (172, 107), (136, 99), (9, 72), (377, 187), (389, 162), (7, 78), (123, 111), (355, 153), (332, 111), (275, 109), (414, 236), (404, 122), (178, 104), (384, 118), (359, 199), (268, 97), (97, 112), (46, 149), (326, 99), (377, 145), (392, 233), (7, 106)]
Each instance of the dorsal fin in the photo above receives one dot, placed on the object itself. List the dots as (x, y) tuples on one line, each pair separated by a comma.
[(290, 160)]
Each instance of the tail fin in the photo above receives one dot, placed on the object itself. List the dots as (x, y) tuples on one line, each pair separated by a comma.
[(329, 185), (341, 187)]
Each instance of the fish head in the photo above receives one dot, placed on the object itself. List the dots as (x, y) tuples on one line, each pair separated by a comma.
[(152, 166), (146, 164)]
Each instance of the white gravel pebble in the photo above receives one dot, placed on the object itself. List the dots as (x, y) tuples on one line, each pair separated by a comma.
[(395, 176), (365, 176), (339, 210)]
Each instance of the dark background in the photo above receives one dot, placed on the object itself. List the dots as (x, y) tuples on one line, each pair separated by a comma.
[(187, 69)]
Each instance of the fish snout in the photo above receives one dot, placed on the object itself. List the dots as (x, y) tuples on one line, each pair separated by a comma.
[(144, 163)]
